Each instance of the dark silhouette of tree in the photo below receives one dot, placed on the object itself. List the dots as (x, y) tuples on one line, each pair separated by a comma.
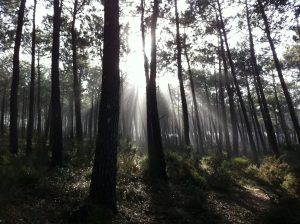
[(185, 117), (32, 84), (157, 164), (15, 82), (198, 125), (237, 87), (260, 93), (77, 85), (39, 109), (279, 71), (56, 120), (103, 182), (223, 108)]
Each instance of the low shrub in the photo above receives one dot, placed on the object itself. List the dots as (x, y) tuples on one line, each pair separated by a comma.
[(291, 184), (218, 172), (16, 172), (282, 173), (240, 163), (182, 169), (273, 170)]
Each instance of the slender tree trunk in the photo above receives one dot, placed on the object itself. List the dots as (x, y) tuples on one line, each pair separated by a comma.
[(47, 125), (13, 131), (96, 114), (175, 122), (146, 61), (283, 123), (199, 131), (56, 119), (213, 128), (39, 109), (23, 115), (32, 84), (146, 70), (157, 165), (279, 71), (223, 111), (103, 183), (255, 117), (237, 87), (261, 96), (77, 94), (71, 118), (185, 117), (230, 92), (91, 119)]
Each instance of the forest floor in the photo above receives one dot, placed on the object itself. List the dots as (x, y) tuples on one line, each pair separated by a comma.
[(57, 193)]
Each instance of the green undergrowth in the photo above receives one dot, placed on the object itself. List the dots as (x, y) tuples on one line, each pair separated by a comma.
[(184, 196), (282, 173), (18, 171)]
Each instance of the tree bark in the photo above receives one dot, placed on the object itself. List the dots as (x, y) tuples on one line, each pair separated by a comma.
[(185, 117), (103, 182), (77, 88), (56, 119), (255, 117), (32, 84), (198, 126), (13, 136), (223, 111), (230, 92), (282, 120), (238, 90), (279, 72), (39, 109), (261, 96), (157, 164)]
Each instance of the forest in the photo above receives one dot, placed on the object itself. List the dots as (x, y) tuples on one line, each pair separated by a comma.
[(161, 111)]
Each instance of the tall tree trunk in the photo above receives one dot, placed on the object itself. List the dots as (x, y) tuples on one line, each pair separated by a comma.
[(143, 31), (91, 120), (283, 123), (47, 125), (180, 78), (213, 128), (71, 118), (157, 165), (23, 113), (279, 71), (175, 122), (230, 92), (103, 183), (223, 110), (198, 126), (255, 117), (237, 87), (39, 109), (13, 131), (32, 83), (56, 120), (261, 96), (146, 70), (77, 88)]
